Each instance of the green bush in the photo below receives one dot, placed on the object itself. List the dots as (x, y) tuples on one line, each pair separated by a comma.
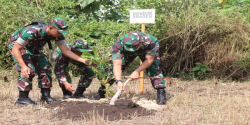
[(188, 31)]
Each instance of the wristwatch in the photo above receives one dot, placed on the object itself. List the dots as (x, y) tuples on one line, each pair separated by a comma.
[(116, 81)]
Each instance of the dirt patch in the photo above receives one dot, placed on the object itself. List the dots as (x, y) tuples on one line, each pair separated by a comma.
[(84, 110)]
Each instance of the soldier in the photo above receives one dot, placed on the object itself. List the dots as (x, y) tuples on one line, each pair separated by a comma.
[(26, 47), (61, 64), (125, 50)]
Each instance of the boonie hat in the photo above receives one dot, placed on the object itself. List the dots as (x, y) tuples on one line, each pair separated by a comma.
[(131, 42), (60, 24), (81, 46)]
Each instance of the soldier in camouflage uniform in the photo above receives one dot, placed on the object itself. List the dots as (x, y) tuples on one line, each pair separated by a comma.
[(125, 50), (26, 47), (61, 64)]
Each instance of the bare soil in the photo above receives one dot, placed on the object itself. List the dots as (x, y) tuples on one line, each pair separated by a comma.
[(76, 110), (190, 103)]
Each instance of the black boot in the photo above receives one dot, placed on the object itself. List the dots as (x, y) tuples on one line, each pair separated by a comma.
[(24, 99), (46, 95), (66, 94), (161, 97), (101, 94), (79, 92)]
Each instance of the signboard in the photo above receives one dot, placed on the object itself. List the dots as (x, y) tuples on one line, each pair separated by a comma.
[(142, 16)]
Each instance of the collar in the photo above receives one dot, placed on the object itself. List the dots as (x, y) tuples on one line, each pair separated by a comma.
[(43, 33)]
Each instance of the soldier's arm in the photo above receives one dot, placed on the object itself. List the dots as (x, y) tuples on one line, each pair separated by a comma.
[(60, 42), (117, 69), (61, 72), (16, 50), (117, 63), (24, 38), (61, 64), (117, 59), (149, 59), (72, 55)]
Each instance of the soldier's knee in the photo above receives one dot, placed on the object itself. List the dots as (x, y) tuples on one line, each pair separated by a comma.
[(158, 83)]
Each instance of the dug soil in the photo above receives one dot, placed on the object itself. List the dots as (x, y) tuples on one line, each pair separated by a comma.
[(124, 109)]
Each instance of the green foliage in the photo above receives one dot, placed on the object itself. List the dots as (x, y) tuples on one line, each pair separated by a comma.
[(14, 17), (241, 7), (189, 31), (245, 63), (88, 6), (100, 69), (200, 69)]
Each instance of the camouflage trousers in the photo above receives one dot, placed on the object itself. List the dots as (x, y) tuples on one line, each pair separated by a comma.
[(153, 70), (38, 64), (87, 75)]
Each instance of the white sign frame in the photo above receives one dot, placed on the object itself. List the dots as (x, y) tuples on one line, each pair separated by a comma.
[(142, 16)]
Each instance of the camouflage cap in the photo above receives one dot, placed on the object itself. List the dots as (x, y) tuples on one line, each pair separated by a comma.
[(131, 42), (60, 24), (81, 46)]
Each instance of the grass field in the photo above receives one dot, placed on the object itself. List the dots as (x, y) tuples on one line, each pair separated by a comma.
[(192, 102)]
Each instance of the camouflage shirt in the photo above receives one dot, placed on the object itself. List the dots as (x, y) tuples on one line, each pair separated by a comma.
[(62, 62), (148, 46), (32, 37)]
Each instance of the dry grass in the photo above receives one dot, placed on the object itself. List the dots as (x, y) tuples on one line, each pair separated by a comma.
[(207, 36), (194, 102)]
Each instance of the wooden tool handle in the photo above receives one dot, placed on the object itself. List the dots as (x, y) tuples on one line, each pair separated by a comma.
[(148, 77), (112, 101)]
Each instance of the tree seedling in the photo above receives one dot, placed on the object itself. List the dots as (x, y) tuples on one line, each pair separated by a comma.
[(100, 69)]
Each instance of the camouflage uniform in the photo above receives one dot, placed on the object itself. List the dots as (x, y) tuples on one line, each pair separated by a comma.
[(33, 38), (125, 48), (62, 62)]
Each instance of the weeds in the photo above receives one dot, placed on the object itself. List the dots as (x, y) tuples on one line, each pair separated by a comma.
[(200, 70)]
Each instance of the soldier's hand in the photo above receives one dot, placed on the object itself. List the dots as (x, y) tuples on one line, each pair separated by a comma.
[(87, 63), (120, 86), (134, 75), (25, 71), (69, 87)]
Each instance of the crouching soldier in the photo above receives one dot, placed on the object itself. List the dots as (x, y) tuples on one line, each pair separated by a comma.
[(26, 47), (125, 50), (61, 72)]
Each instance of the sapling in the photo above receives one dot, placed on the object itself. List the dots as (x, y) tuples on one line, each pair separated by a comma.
[(100, 68)]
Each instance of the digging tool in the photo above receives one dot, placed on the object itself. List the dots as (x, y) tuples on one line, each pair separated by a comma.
[(112, 102), (141, 79), (148, 77)]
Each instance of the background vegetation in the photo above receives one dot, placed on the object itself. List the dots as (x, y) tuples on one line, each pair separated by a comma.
[(190, 31)]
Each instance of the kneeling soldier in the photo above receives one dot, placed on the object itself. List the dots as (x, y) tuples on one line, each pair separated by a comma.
[(62, 63)]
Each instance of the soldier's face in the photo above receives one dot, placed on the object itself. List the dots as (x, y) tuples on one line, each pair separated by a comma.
[(54, 32)]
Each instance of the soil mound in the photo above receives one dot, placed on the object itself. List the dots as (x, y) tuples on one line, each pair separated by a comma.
[(124, 109)]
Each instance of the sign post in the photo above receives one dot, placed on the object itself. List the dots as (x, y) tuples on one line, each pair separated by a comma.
[(142, 16)]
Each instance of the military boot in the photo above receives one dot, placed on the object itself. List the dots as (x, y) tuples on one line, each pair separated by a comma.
[(161, 97), (24, 99), (66, 94), (46, 95), (100, 94), (79, 92)]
